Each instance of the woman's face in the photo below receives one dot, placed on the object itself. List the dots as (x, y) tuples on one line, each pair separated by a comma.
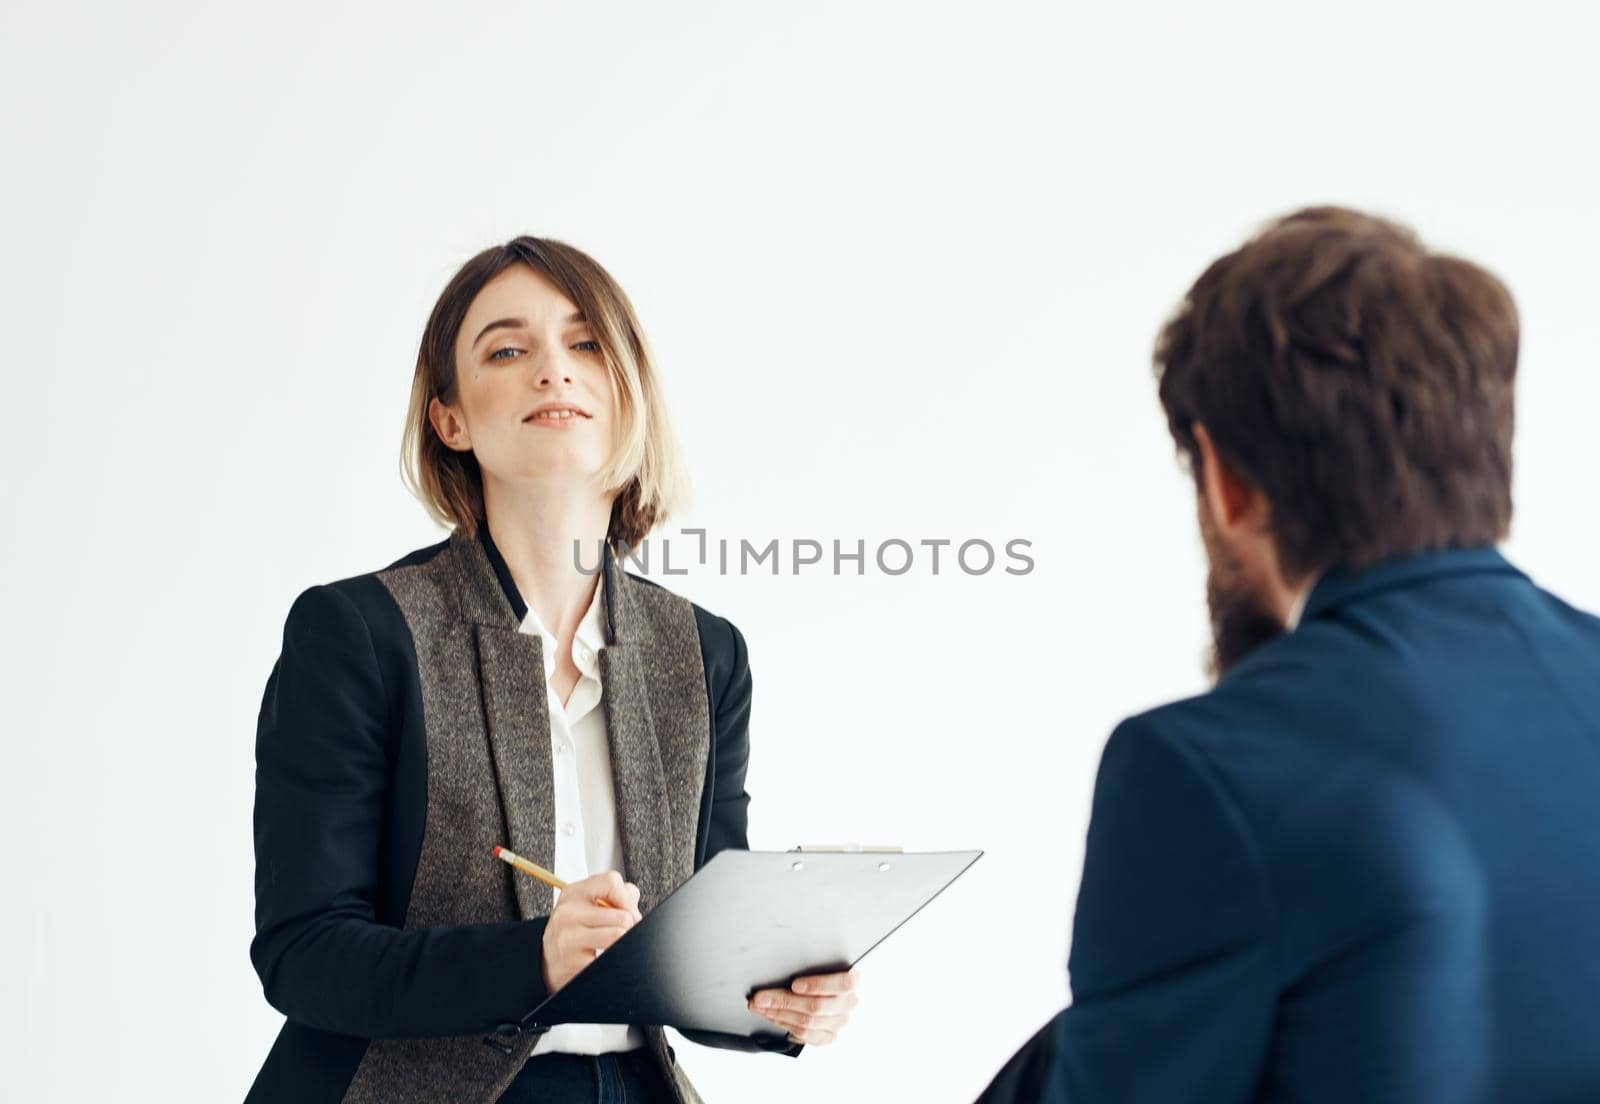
[(535, 402)]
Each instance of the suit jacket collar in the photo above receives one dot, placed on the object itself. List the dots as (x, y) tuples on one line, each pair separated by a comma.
[(516, 706), (1339, 585)]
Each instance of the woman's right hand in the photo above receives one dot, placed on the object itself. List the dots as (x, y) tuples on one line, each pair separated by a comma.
[(580, 928)]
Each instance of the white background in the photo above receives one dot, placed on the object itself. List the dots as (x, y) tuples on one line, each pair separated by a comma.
[(902, 265)]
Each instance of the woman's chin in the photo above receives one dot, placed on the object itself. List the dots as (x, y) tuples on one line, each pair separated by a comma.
[(560, 467)]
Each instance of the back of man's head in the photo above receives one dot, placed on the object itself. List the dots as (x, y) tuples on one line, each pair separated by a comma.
[(1362, 382)]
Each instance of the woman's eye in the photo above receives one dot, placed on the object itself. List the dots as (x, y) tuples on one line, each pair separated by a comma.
[(508, 349), (588, 346)]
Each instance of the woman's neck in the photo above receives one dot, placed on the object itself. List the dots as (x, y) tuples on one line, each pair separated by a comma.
[(544, 536)]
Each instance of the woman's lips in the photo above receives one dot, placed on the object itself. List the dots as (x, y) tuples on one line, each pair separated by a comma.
[(557, 419)]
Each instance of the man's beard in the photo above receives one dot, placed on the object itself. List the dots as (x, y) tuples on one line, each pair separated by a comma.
[(1240, 621)]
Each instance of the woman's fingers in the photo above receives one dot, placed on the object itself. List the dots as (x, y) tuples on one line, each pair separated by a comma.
[(608, 886), (599, 934), (814, 1009), (802, 1022), (843, 982), (595, 916), (626, 895), (581, 900), (580, 927), (813, 1037), (783, 999)]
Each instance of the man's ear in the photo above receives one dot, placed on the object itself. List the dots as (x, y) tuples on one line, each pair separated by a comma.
[(1231, 499)]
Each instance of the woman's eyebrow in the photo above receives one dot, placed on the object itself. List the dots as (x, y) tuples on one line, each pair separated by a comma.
[(499, 324), (520, 324)]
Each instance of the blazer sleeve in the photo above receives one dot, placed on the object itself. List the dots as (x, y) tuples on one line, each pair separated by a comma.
[(1173, 959), (324, 747), (730, 804)]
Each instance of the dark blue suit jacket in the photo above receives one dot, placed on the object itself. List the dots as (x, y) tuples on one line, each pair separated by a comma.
[(1364, 867)]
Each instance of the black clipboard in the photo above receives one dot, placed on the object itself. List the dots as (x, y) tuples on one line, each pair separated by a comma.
[(749, 920)]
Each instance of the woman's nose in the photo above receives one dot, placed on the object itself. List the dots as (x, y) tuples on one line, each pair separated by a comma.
[(549, 373)]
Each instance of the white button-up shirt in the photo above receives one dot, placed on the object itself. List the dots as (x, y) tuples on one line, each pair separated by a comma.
[(587, 841)]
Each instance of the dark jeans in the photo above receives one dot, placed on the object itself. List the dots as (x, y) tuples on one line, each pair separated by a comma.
[(624, 1077)]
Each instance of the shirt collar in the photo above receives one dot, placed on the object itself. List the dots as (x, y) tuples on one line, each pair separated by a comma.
[(591, 634), (586, 642), (1297, 610), (1340, 585), (591, 631)]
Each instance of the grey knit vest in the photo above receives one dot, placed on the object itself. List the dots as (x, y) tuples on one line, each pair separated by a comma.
[(489, 782)]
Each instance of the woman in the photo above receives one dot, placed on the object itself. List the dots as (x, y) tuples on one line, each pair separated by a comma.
[(497, 689)]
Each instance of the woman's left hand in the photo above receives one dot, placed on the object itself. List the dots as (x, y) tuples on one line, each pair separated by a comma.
[(813, 1009)]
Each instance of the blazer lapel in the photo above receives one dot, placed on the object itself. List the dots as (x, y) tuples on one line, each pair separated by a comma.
[(644, 818), (516, 714), (511, 670)]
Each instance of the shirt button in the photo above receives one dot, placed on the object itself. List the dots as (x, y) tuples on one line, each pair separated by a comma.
[(569, 829), (583, 651)]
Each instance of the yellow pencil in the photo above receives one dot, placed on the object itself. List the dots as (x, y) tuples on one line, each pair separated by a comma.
[(541, 873)]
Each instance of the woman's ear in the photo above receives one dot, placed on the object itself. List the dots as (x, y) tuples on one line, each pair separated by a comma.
[(450, 427)]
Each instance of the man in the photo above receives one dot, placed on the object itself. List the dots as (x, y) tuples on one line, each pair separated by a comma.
[(1365, 866)]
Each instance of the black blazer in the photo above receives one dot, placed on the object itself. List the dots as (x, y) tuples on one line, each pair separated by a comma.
[(353, 663)]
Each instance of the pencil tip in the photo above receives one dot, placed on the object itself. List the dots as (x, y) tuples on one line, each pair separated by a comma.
[(497, 850)]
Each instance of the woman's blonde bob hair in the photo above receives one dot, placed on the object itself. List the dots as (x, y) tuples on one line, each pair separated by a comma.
[(645, 471)]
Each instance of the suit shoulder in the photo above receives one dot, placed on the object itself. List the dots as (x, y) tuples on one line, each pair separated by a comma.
[(420, 555), (369, 595), (1273, 681), (1266, 706), (718, 635), (352, 584), (720, 639), (722, 646), (1283, 721), (725, 658)]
